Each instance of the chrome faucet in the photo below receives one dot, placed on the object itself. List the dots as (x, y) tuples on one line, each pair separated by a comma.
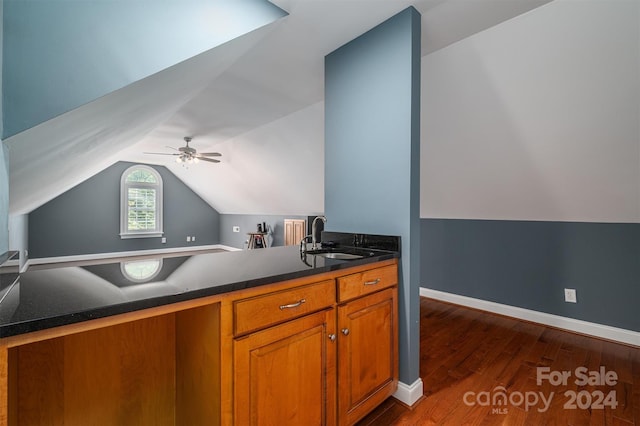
[(314, 243)]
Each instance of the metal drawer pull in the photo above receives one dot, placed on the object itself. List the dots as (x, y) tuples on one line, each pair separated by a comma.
[(345, 331), (292, 305), (374, 282), (332, 337)]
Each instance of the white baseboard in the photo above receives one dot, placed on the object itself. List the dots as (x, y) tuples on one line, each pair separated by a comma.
[(409, 394), (583, 327), (96, 256)]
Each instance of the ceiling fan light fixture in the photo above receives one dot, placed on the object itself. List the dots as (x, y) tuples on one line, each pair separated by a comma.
[(189, 155)]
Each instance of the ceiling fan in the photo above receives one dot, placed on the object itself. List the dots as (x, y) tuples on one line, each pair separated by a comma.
[(187, 154)]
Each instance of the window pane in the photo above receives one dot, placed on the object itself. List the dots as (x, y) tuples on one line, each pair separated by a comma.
[(141, 202), (141, 215), (141, 176)]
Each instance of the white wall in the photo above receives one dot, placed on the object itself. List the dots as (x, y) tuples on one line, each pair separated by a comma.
[(19, 236), (275, 169), (536, 118)]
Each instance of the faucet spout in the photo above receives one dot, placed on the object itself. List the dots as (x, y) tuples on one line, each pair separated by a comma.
[(314, 242)]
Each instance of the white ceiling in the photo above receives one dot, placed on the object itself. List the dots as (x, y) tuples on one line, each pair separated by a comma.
[(261, 83)]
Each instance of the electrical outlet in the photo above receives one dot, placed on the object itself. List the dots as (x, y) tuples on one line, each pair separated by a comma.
[(236, 229), (188, 239), (193, 238), (164, 240), (570, 295)]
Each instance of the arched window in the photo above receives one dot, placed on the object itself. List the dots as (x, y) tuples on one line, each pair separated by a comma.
[(140, 203), (139, 271)]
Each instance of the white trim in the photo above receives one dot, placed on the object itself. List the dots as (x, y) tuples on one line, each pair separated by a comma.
[(409, 394), (16, 263), (124, 209), (584, 327), (141, 235), (96, 256)]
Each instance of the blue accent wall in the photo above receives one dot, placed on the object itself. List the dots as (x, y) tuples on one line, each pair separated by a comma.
[(372, 151), (86, 219), (528, 264), (60, 55)]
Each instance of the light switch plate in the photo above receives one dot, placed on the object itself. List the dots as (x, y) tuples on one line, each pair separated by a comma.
[(570, 295)]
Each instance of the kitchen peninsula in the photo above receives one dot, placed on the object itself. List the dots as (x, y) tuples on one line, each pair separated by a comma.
[(213, 338)]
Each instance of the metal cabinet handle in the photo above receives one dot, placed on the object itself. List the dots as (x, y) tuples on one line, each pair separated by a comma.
[(292, 305), (332, 337), (374, 282), (345, 331)]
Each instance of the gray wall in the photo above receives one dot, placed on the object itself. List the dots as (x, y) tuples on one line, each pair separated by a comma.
[(248, 223), (372, 152), (86, 219), (528, 264)]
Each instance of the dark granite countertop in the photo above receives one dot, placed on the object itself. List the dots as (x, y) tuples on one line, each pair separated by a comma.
[(46, 298)]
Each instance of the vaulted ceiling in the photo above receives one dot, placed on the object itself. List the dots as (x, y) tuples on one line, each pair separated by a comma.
[(257, 99)]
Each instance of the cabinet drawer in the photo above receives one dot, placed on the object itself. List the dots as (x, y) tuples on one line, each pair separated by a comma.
[(273, 308), (355, 285)]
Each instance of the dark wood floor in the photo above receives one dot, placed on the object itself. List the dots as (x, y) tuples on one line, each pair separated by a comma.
[(467, 355)]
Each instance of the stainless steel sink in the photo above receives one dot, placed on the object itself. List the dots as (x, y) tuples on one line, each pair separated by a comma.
[(339, 255)]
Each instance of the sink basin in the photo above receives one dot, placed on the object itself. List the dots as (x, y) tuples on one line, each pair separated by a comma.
[(339, 255), (346, 253)]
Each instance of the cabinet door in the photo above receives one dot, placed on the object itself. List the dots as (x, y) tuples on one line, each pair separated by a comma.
[(286, 374), (294, 230), (367, 354)]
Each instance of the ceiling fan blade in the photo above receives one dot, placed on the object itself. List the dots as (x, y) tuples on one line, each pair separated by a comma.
[(159, 153), (170, 147), (211, 160), (210, 154)]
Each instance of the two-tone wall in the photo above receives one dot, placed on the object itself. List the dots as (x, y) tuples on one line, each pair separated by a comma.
[(86, 219), (531, 163)]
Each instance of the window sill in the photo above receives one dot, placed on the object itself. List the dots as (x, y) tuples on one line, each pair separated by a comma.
[(141, 235)]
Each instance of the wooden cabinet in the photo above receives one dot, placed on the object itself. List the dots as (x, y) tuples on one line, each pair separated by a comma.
[(367, 354), (285, 375), (284, 370), (317, 350), (366, 282), (294, 231), (263, 310), (155, 370)]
